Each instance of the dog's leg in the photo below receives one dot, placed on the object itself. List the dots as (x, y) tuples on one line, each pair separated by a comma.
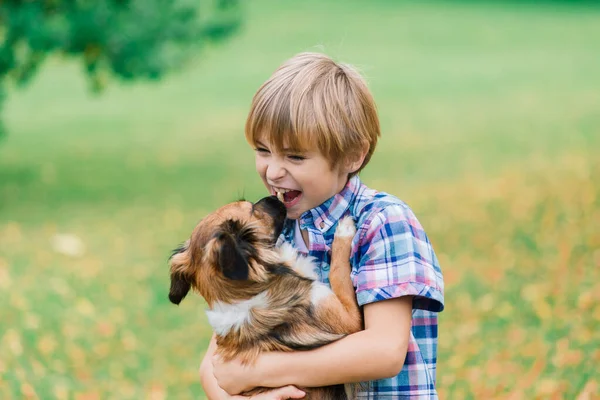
[(339, 275), (343, 305)]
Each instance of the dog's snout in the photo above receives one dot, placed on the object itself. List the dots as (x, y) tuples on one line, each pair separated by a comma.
[(272, 206), (276, 209)]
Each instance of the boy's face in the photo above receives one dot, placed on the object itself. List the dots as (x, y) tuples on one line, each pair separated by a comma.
[(306, 177)]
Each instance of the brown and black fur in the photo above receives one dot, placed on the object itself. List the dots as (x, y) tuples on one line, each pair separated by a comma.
[(231, 257)]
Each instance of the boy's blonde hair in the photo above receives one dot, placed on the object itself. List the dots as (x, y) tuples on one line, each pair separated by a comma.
[(312, 101)]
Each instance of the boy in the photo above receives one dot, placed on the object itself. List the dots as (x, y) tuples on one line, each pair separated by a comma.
[(314, 126)]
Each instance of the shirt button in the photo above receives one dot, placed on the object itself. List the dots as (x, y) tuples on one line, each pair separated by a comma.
[(322, 224)]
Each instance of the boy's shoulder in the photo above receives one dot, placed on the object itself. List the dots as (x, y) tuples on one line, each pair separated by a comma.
[(372, 207)]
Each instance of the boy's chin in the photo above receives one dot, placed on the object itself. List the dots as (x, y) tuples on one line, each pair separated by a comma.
[(294, 214)]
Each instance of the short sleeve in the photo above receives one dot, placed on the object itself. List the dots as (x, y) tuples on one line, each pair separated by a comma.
[(395, 259)]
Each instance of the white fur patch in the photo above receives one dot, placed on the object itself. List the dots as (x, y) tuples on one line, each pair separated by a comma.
[(318, 292), (287, 252), (346, 227), (224, 317), (301, 264)]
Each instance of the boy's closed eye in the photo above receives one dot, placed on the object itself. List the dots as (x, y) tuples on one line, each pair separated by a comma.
[(296, 157), (262, 150)]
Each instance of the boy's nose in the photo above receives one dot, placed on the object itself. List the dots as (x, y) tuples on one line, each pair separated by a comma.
[(275, 171)]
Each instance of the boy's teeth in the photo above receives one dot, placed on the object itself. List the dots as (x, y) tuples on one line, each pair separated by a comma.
[(280, 192)]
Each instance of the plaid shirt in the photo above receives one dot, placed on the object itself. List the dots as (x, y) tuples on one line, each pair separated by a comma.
[(391, 257)]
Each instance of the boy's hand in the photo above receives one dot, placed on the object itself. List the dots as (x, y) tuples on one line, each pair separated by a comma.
[(232, 376), (283, 393)]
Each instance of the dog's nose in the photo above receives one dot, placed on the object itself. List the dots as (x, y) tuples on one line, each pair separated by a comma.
[(272, 206), (276, 209)]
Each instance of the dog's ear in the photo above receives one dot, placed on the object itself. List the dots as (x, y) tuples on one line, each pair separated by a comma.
[(180, 262), (231, 260), (179, 288)]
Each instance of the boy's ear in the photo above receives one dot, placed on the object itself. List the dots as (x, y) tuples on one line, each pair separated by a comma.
[(356, 160), (231, 260)]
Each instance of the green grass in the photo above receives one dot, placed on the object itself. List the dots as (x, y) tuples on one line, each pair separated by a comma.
[(491, 124)]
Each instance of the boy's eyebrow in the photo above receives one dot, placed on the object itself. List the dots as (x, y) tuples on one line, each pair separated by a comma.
[(285, 149)]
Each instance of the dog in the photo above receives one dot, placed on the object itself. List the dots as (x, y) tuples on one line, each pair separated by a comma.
[(262, 298)]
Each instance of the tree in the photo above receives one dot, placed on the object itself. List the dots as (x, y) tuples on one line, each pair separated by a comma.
[(122, 39)]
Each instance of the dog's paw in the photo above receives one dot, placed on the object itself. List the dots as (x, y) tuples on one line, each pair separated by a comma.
[(346, 227)]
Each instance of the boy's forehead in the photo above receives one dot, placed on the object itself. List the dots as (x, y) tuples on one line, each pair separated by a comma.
[(284, 144)]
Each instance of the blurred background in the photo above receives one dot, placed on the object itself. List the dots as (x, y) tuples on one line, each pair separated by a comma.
[(123, 126)]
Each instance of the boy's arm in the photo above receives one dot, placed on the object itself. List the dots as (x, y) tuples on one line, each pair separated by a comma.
[(207, 379), (375, 353), (214, 392)]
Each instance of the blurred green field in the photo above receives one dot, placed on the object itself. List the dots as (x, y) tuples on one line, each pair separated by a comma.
[(491, 133)]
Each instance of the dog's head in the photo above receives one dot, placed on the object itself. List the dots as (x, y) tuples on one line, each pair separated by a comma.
[(229, 249)]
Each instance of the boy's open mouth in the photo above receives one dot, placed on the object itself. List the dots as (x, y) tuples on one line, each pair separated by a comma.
[(287, 196)]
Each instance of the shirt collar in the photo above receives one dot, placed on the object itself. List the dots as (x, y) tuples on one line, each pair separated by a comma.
[(326, 215)]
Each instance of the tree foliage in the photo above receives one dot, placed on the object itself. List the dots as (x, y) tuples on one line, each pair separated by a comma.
[(123, 39)]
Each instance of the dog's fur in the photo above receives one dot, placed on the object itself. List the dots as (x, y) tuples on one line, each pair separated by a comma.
[(262, 298)]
